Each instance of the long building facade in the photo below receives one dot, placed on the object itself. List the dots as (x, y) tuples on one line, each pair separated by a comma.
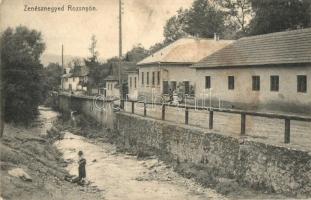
[(268, 72), (169, 69)]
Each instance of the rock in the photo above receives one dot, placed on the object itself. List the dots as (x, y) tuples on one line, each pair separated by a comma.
[(19, 172), (94, 160)]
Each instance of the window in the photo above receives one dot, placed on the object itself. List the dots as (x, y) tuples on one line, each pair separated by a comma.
[(274, 83), (207, 82), (153, 78), (256, 83), (158, 77), (173, 85), (135, 80), (187, 87), (142, 78), (301, 83), (231, 82), (165, 87), (147, 78), (130, 82)]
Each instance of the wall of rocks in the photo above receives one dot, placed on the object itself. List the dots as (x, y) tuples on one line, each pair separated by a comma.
[(250, 163)]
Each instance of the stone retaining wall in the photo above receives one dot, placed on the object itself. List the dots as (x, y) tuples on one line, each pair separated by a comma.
[(261, 166)]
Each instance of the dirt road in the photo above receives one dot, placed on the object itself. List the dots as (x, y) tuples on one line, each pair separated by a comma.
[(122, 176)]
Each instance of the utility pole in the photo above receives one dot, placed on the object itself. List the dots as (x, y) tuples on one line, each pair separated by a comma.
[(120, 47), (64, 71), (63, 56)]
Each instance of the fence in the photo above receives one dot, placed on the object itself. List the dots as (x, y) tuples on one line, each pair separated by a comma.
[(189, 108)]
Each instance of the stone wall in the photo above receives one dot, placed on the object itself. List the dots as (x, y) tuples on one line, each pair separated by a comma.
[(98, 109), (277, 169)]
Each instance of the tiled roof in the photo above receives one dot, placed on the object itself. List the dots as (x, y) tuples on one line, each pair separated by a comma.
[(288, 47), (186, 51)]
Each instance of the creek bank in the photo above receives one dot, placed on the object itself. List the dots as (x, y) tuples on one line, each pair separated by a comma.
[(32, 168)]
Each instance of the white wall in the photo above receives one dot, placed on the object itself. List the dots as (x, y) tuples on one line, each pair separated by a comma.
[(132, 90), (178, 73), (74, 82), (243, 92), (111, 90)]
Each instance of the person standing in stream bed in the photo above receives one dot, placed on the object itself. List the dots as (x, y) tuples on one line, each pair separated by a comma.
[(82, 172)]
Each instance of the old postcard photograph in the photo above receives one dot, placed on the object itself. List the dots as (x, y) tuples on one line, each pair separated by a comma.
[(155, 99)]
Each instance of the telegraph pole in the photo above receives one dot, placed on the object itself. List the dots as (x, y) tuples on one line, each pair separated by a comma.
[(64, 71), (120, 28), (120, 47), (63, 56)]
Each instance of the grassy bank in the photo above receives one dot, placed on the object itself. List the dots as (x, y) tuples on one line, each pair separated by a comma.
[(34, 153)]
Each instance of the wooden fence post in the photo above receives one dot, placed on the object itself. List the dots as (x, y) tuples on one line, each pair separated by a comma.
[(287, 131), (186, 116), (145, 109), (133, 104), (211, 119), (163, 111), (243, 120)]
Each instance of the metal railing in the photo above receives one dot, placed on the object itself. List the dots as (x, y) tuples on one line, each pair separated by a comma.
[(287, 118)]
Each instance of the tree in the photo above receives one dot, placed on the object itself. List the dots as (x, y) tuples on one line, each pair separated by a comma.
[(203, 19), (281, 15), (92, 49), (22, 73), (93, 64), (53, 73), (75, 62), (136, 54), (157, 46), (238, 13), (175, 27)]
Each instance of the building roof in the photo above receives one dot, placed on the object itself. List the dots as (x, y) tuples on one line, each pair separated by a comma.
[(111, 78), (68, 75), (185, 51), (290, 47)]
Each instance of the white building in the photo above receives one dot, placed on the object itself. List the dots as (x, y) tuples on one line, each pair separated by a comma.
[(271, 71), (169, 68), (112, 87), (76, 80), (132, 85)]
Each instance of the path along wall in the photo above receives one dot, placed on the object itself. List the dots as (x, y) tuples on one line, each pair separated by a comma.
[(279, 169), (98, 109)]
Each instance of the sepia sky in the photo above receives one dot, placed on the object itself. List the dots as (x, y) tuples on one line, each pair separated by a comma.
[(143, 22)]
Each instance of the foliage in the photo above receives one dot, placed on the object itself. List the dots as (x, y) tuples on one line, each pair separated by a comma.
[(53, 73), (92, 49), (75, 62), (136, 54), (281, 15), (175, 27), (156, 47), (238, 14), (203, 19), (22, 73)]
